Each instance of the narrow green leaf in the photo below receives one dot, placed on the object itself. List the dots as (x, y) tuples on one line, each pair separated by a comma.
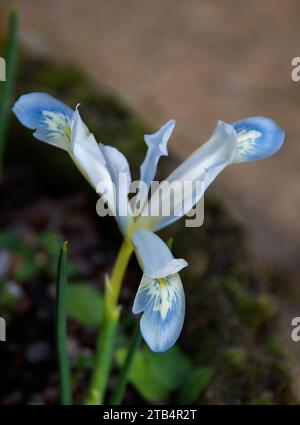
[(195, 385), (155, 375), (120, 388), (170, 367), (61, 328), (84, 304), (8, 86), (142, 378)]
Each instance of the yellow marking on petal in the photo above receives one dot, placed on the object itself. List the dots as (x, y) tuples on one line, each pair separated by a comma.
[(161, 281), (59, 128), (67, 131)]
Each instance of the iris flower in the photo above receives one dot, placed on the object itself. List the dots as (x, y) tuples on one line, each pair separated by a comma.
[(160, 296)]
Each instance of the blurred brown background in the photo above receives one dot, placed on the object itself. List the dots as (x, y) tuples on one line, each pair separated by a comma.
[(197, 61)]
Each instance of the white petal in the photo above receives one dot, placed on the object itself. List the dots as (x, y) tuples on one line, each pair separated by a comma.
[(119, 171), (163, 307), (104, 166), (157, 147), (87, 153), (89, 159), (116, 164), (83, 137), (174, 266), (154, 255), (196, 173)]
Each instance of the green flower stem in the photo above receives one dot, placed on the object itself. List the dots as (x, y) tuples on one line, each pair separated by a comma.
[(106, 337), (61, 328), (119, 391)]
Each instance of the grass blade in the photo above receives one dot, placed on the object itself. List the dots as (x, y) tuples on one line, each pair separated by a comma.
[(61, 328), (8, 86), (120, 388)]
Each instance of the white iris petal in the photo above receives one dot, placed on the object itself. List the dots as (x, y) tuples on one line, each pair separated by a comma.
[(157, 147), (162, 302), (160, 296), (200, 169)]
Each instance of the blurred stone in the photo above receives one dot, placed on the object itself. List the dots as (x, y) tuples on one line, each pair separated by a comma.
[(38, 352), (13, 398), (5, 263), (13, 288)]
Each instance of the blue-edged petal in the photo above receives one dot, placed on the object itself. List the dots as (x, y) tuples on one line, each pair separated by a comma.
[(163, 305), (190, 180), (157, 147), (49, 117), (257, 138), (154, 255)]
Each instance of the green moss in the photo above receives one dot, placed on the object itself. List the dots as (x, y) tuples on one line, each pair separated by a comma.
[(236, 358), (253, 308), (266, 398)]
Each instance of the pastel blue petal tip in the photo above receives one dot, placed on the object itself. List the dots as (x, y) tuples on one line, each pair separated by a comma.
[(163, 307), (257, 138), (49, 117)]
